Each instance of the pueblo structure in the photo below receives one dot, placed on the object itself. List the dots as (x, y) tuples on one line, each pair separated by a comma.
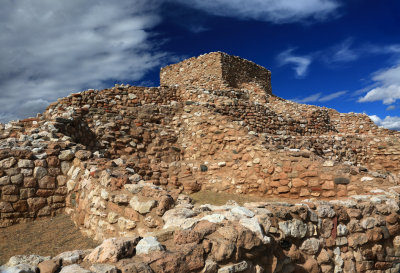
[(122, 162)]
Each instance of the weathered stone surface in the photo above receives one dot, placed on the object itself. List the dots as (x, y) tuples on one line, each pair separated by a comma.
[(33, 260), (36, 203), (142, 207), (17, 179), (214, 218), (66, 155), (25, 163), (71, 257), (47, 182), (20, 268), (147, 245), (179, 217), (126, 224), (39, 172), (222, 250), (210, 267), (113, 249), (293, 228), (83, 155), (7, 163), (5, 180), (10, 189), (49, 266), (369, 222), (103, 268), (189, 258), (357, 239), (73, 268), (136, 268), (242, 211), (311, 266), (325, 211), (239, 267), (310, 246), (6, 207)]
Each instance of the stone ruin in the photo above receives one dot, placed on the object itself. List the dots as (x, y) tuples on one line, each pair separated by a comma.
[(122, 161)]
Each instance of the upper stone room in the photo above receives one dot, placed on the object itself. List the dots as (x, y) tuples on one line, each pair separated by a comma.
[(217, 71)]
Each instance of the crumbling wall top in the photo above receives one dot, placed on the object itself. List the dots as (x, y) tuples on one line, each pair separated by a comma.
[(217, 71)]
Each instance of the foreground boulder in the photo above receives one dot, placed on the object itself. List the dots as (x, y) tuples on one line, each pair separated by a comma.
[(113, 249)]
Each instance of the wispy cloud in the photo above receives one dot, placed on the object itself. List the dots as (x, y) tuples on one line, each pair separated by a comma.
[(389, 122), (391, 107), (50, 48), (283, 11), (343, 52), (300, 63), (387, 86), (332, 96), (320, 97), (311, 98)]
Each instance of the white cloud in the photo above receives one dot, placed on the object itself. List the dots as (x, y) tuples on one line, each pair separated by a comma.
[(387, 94), (388, 76), (387, 86), (389, 122), (332, 96), (390, 108), (311, 98), (51, 48), (319, 97), (344, 53), (300, 63), (282, 11)]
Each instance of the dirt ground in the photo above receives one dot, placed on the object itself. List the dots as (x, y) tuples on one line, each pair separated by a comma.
[(45, 237)]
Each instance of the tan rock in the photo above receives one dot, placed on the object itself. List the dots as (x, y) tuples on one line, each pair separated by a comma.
[(297, 183), (113, 249), (50, 266), (311, 266)]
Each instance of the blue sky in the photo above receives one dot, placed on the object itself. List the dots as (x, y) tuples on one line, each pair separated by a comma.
[(339, 54)]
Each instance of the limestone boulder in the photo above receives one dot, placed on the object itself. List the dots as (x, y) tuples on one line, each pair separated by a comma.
[(113, 249), (103, 268), (74, 268), (71, 257), (179, 218), (147, 245), (310, 246), (239, 267), (49, 266), (143, 207)]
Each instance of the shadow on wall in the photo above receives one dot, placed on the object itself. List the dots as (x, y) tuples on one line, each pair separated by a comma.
[(80, 132)]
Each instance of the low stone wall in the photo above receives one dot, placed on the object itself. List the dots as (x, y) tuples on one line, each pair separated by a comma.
[(359, 234), (104, 203), (32, 187)]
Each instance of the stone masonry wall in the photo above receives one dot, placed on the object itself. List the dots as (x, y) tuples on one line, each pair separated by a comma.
[(33, 165), (147, 129), (217, 71), (118, 161), (165, 136), (360, 234)]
